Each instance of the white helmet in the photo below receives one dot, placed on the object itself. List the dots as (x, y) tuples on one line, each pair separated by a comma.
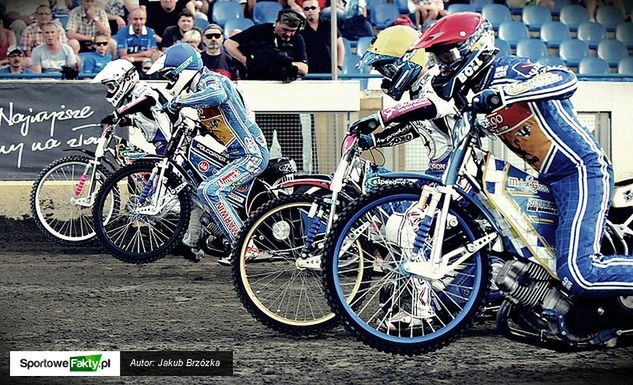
[(119, 77)]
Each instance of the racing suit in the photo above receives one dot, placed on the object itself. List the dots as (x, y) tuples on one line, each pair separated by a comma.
[(536, 120), (142, 108), (223, 114)]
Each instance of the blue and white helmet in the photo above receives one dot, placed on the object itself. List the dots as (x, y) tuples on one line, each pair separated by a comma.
[(179, 65)]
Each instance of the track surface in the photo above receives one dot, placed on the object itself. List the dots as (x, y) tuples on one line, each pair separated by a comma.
[(55, 298)]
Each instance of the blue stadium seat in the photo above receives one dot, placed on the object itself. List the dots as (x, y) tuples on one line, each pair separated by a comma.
[(62, 19), (201, 23), (513, 32), (496, 14), (553, 32), (593, 66), (531, 49), (454, 8), (572, 51), (612, 51), (83, 56), (625, 66), (348, 46), (383, 15), (265, 11), (591, 33), (534, 16), (234, 24), (504, 48), (479, 4), (225, 10), (572, 15), (403, 6), (609, 16), (558, 4), (363, 43), (551, 61), (349, 68), (624, 33)]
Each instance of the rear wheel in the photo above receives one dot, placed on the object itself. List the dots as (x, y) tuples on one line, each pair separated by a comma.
[(62, 197), (130, 233)]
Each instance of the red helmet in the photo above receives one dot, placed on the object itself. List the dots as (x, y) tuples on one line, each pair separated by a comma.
[(463, 45)]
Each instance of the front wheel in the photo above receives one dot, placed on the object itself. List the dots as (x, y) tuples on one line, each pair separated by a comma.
[(278, 285), (398, 311), (62, 198), (147, 225)]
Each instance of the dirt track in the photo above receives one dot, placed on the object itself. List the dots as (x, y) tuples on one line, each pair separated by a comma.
[(68, 299)]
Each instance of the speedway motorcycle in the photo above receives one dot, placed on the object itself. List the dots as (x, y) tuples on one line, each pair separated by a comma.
[(429, 248), (156, 197), (63, 194)]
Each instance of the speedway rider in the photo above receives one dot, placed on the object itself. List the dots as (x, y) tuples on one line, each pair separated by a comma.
[(527, 106), (223, 114), (135, 100), (384, 54)]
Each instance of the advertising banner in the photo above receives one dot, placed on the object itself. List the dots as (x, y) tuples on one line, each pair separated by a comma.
[(39, 120)]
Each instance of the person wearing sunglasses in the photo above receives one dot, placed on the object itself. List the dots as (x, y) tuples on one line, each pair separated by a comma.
[(213, 57), (97, 60), (317, 39), (138, 41)]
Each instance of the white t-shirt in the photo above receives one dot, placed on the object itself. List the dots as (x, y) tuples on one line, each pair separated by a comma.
[(53, 62)]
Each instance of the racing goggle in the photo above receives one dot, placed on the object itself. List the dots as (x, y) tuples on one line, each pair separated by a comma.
[(445, 57)]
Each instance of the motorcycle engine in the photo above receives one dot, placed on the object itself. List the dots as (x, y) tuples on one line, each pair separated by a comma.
[(529, 285)]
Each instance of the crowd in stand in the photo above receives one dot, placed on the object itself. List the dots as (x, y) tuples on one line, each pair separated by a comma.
[(87, 34)]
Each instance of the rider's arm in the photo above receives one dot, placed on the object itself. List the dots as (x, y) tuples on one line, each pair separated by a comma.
[(209, 93), (425, 108), (547, 83), (142, 103), (395, 134)]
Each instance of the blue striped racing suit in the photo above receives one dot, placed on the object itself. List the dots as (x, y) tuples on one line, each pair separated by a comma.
[(222, 113), (540, 125)]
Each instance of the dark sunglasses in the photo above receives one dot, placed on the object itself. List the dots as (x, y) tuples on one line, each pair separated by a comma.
[(101, 43), (213, 35), (309, 8)]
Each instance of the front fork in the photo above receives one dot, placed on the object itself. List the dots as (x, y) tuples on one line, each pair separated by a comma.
[(149, 201), (90, 173)]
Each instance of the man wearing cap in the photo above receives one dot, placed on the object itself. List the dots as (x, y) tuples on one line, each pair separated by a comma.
[(16, 62), (213, 57), (255, 47)]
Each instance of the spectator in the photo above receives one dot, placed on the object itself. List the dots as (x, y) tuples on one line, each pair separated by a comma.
[(7, 39), (593, 4), (33, 36), (297, 5), (165, 13), (353, 16), (213, 57), (429, 11), (174, 33), (60, 8), (137, 41), (97, 60), (116, 11), (84, 23), (274, 51), (52, 55), (16, 62), (193, 37), (147, 64), (317, 40)]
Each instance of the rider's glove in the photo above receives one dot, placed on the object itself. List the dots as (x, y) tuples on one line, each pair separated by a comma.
[(487, 101), (110, 119), (172, 106), (367, 125), (366, 142)]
